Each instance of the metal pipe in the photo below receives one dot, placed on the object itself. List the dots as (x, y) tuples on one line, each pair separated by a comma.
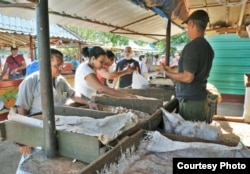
[(168, 37), (42, 19), (31, 48)]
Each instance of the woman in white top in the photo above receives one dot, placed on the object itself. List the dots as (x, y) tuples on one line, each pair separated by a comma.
[(86, 81)]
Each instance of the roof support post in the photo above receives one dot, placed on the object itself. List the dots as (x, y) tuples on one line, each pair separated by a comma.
[(80, 52), (168, 37), (31, 49), (42, 19)]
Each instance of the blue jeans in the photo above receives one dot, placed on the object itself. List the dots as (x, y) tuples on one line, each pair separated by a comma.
[(15, 76), (26, 158)]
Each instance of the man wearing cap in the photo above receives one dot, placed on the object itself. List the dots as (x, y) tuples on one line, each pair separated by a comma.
[(194, 67), (15, 65)]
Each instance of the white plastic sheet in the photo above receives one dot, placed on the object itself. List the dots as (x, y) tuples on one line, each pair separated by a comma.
[(156, 152), (139, 82), (106, 129)]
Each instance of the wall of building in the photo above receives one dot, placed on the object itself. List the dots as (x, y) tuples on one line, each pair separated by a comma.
[(231, 62)]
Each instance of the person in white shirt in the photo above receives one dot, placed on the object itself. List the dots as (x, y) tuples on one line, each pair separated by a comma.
[(86, 81), (143, 66)]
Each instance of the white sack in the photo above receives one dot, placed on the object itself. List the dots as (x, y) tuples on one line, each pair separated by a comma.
[(174, 123), (139, 82), (106, 129), (160, 143)]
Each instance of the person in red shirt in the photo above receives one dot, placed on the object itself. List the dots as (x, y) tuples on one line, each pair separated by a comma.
[(15, 65), (105, 74), (162, 61)]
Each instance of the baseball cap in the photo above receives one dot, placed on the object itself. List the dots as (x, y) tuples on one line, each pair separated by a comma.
[(198, 15), (13, 48)]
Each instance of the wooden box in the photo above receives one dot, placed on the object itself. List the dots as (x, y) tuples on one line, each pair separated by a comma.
[(164, 93), (78, 146)]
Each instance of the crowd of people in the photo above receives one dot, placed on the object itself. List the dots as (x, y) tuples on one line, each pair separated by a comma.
[(92, 75), (14, 66)]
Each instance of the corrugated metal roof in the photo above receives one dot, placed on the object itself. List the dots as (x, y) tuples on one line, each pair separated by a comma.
[(138, 19), (28, 27), (16, 31), (115, 16)]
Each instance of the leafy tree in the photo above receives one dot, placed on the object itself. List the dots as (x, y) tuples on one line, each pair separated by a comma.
[(98, 36), (118, 40), (175, 40)]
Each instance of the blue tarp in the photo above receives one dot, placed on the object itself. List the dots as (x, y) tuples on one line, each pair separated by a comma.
[(163, 8)]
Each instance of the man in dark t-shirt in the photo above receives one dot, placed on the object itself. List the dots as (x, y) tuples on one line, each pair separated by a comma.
[(194, 67), (126, 80)]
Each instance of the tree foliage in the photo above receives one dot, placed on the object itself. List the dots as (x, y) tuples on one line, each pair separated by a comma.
[(175, 40), (113, 40), (101, 37)]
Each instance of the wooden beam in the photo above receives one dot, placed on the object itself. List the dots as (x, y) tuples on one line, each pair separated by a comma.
[(242, 11), (148, 106), (24, 134), (114, 154), (228, 118), (164, 94), (78, 146), (181, 138), (73, 111), (155, 121)]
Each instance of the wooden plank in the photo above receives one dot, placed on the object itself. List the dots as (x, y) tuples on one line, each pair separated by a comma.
[(148, 106), (228, 118), (235, 132), (73, 111), (2, 131), (164, 94), (24, 134), (155, 121), (113, 155), (78, 146), (181, 138)]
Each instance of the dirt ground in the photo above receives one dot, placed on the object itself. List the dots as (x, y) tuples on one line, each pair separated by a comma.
[(9, 157)]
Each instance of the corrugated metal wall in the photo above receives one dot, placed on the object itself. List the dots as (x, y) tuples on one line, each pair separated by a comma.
[(231, 62)]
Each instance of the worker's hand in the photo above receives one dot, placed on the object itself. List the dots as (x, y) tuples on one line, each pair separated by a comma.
[(130, 96), (14, 71), (129, 70), (26, 150), (161, 70), (166, 68), (95, 106), (175, 69)]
